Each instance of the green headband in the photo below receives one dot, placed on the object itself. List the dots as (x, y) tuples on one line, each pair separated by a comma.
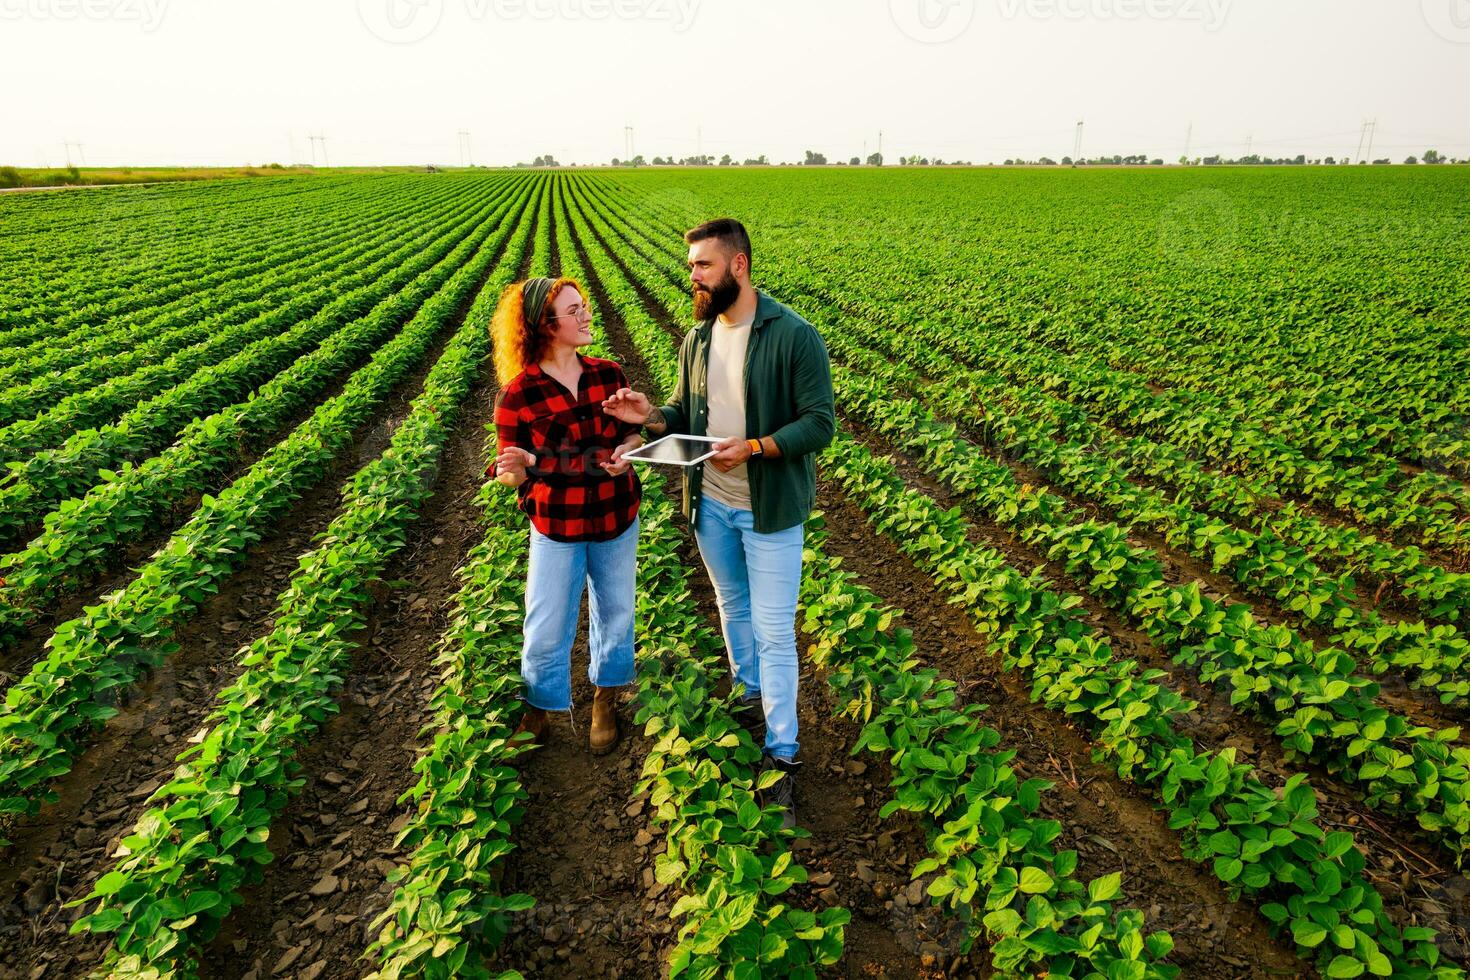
[(533, 299)]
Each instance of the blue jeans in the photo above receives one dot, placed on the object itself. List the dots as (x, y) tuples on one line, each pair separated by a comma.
[(756, 578), (554, 583)]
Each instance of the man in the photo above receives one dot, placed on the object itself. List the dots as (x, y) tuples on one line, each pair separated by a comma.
[(755, 374)]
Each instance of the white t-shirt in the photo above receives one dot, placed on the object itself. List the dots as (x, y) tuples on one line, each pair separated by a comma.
[(727, 408)]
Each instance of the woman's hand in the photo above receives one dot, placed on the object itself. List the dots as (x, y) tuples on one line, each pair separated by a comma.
[(627, 405), (619, 465), (511, 465)]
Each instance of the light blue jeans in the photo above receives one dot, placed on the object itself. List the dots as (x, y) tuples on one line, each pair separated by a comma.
[(756, 578), (558, 572)]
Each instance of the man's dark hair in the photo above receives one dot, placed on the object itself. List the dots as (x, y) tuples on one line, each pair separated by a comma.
[(729, 232)]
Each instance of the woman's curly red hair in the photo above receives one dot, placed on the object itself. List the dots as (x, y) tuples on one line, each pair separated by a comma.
[(516, 344)]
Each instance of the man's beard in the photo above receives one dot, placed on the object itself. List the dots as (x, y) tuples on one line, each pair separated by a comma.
[(712, 302)]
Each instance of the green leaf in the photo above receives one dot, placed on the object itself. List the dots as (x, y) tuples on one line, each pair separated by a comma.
[(1227, 869), (1308, 933), (1034, 881), (1344, 966), (1107, 887), (109, 884)]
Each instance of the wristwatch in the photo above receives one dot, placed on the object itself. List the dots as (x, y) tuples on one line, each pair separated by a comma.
[(756, 449)]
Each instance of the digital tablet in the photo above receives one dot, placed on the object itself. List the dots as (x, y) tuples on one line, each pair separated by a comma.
[(674, 450)]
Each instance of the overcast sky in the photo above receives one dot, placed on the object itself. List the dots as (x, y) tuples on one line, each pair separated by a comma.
[(394, 81)]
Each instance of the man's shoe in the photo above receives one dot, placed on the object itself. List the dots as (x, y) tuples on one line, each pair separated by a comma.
[(751, 716), (783, 792), (534, 729), (604, 733)]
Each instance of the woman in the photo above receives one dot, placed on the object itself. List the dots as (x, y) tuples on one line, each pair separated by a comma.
[(563, 455)]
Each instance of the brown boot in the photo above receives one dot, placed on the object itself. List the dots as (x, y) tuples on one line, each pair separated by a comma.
[(604, 733), (534, 729)]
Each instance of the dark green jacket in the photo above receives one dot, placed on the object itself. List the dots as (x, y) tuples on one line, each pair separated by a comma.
[(788, 396)]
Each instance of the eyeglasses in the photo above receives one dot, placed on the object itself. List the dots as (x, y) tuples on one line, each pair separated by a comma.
[(576, 310)]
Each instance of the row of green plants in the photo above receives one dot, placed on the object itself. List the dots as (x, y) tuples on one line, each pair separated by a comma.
[(92, 660), (286, 332), (89, 532), (204, 836), (448, 910), (1429, 655), (1401, 574), (1321, 708), (109, 261), (992, 860), (1257, 842), (1433, 656), (129, 344), (1323, 405), (1421, 509), (1265, 843)]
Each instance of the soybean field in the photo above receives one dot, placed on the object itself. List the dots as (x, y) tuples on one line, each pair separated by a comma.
[(1131, 618)]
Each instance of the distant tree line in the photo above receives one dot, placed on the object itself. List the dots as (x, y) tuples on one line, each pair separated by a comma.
[(812, 158)]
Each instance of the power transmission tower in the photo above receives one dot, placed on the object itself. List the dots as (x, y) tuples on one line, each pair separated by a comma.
[(1357, 157), (1077, 145), (880, 142), (68, 144), (699, 141), (1372, 132), (627, 142), (466, 151), (318, 138), (1250, 141), (1188, 141)]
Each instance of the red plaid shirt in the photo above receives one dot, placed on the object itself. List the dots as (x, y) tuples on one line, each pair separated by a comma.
[(567, 495)]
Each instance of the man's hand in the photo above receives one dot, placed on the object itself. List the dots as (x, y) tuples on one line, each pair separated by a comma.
[(512, 464), (730, 453), (627, 405)]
